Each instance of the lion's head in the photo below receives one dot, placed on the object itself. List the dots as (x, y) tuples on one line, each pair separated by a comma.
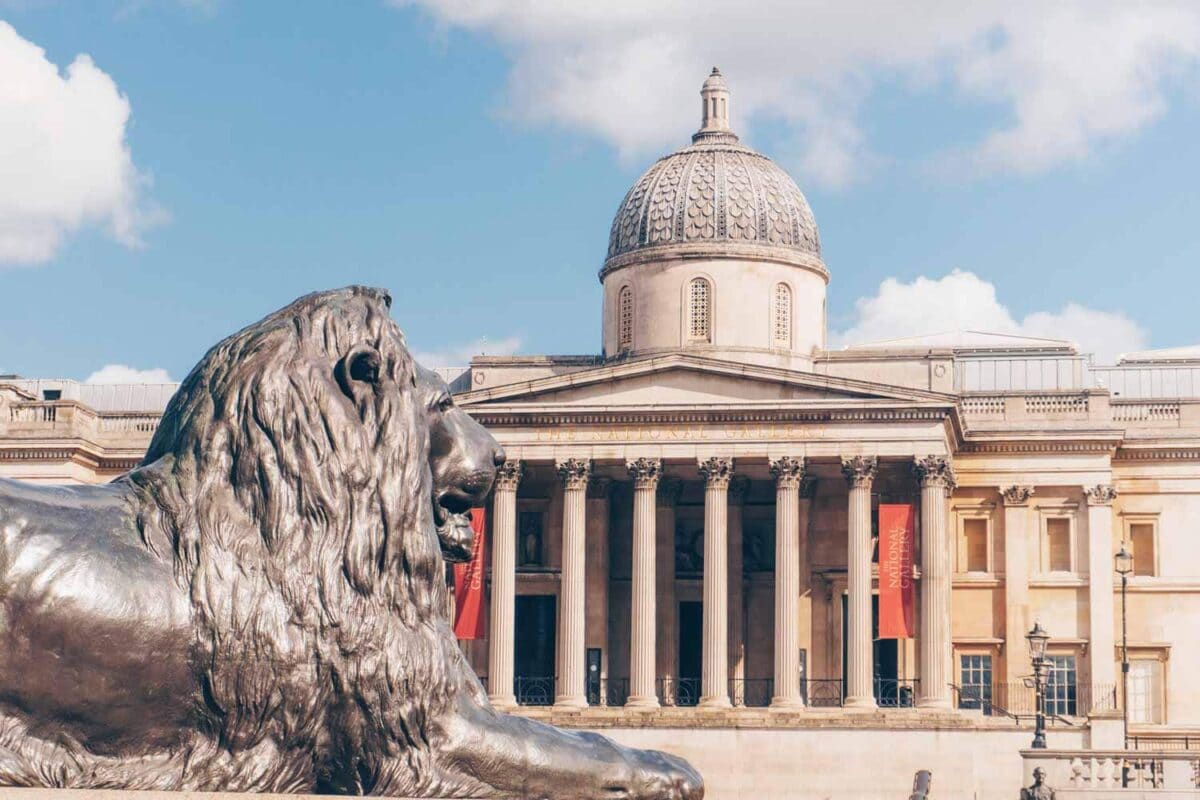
[(463, 457), (290, 476)]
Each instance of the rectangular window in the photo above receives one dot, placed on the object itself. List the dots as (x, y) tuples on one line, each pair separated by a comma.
[(975, 680), (1058, 544), (1141, 544), (1145, 691), (50, 395), (975, 534), (1061, 686)]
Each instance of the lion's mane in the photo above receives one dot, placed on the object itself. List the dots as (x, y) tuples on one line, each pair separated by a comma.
[(299, 522)]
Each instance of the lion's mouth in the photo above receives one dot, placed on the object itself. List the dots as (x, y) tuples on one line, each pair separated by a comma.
[(452, 516)]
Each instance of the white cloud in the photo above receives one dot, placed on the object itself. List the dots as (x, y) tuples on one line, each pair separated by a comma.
[(460, 355), (1070, 74), (119, 373), (964, 301), (64, 159)]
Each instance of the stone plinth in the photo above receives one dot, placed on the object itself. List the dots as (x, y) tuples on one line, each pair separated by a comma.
[(7, 793)]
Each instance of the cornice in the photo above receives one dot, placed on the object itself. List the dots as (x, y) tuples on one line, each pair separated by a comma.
[(646, 365), (73, 454), (718, 250), (1160, 453), (1020, 447), (684, 415)]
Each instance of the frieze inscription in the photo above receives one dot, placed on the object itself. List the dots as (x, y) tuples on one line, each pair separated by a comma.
[(679, 433)]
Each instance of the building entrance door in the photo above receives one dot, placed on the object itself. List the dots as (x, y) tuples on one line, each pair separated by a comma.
[(886, 670), (534, 649), (691, 648), (889, 690)]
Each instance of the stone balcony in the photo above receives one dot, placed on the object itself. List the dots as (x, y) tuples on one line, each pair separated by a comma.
[(70, 420)]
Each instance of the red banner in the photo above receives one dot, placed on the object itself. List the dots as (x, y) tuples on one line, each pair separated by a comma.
[(896, 534), (470, 603)]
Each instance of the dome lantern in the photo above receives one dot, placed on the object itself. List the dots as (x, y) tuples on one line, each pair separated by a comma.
[(714, 114)]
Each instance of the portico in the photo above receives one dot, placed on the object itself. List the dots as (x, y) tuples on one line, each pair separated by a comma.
[(747, 529)]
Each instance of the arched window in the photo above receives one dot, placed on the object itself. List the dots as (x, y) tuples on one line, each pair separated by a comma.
[(700, 310), (782, 316), (625, 319)]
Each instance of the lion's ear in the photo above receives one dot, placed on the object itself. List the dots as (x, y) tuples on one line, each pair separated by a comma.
[(358, 372)]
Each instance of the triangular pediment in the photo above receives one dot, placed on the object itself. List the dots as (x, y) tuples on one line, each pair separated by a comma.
[(680, 380)]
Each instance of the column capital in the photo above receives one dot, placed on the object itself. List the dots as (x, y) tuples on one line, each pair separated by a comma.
[(645, 472), (860, 470), (1101, 494), (669, 490), (598, 486), (717, 470), (739, 487), (509, 474), (788, 472), (934, 470), (574, 472), (1016, 495)]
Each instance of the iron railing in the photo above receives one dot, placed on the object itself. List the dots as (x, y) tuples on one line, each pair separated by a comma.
[(1018, 701), (614, 691), (896, 692), (822, 692), (751, 692), (1163, 741), (534, 690)]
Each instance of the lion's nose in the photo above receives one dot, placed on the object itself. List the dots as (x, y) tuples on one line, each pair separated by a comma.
[(499, 456)]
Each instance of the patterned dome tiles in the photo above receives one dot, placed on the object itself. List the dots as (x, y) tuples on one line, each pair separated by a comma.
[(714, 192)]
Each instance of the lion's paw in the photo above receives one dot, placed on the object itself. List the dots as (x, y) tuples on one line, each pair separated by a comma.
[(662, 776)]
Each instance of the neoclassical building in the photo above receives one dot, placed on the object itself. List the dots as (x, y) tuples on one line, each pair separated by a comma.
[(685, 540)]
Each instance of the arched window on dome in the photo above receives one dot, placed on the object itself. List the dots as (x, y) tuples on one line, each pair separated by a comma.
[(699, 310), (625, 319), (781, 316)]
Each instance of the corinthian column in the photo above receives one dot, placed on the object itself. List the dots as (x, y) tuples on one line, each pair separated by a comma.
[(504, 585), (860, 474), (574, 473), (714, 681), (937, 481), (1100, 594), (788, 472), (645, 473), (738, 488)]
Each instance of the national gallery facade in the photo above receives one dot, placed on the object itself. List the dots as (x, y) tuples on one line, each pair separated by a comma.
[(720, 537)]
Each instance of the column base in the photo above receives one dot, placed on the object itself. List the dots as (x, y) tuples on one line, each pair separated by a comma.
[(866, 703), (570, 703), (642, 703), (503, 702), (786, 704), (935, 703), (717, 702)]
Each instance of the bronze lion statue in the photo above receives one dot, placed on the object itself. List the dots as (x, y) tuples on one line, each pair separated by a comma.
[(260, 604)]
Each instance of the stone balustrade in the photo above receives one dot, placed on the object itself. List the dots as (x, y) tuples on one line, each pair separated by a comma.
[(68, 419), (1085, 407), (1102, 774)]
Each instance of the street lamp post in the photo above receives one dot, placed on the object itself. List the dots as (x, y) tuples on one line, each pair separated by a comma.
[(1037, 639), (1124, 567)]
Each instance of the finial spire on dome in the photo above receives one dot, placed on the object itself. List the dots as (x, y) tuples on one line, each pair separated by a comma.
[(714, 116)]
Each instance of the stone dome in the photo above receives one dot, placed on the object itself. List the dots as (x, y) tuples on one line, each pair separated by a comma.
[(714, 252), (714, 195)]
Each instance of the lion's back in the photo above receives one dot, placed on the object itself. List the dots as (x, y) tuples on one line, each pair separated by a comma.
[(83, 608)]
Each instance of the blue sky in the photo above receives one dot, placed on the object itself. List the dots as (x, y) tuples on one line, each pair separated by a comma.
[(471, 160)]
